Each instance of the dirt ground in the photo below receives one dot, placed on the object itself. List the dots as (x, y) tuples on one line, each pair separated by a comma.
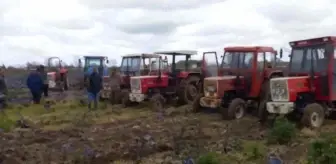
[(138, 135)]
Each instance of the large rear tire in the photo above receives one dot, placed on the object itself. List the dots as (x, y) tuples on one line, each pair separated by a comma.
[(191, 89)]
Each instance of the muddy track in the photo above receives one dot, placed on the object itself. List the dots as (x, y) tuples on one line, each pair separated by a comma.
[(128, 140)]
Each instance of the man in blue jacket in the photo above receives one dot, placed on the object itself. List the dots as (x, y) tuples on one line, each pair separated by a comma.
[(94, 87), (35, 85)]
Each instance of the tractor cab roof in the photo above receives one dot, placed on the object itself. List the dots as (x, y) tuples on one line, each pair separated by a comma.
[(313, 41), (95, 57), (248, 49), (178, 53), (144, 55)]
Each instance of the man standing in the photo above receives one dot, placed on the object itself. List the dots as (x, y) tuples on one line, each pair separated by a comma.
[(115, 95), (35, 85), (44, 76), (95, 85), (3, 88)]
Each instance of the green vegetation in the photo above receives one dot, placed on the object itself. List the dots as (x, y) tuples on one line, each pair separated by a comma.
[(282, 132), (209, 158), (63, 114), (323, 150)]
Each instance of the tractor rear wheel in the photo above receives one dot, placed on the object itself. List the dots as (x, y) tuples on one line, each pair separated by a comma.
[(157, 102), (236, 109), (191, 89), (313, 116)]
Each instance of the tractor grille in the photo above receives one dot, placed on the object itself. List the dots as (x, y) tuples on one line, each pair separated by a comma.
[(210, 87), (135, 85), (279, 90)]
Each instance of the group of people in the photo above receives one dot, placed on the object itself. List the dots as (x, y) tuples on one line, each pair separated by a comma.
[(37, 83)]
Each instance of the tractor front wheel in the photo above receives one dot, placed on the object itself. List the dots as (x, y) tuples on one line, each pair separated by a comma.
[(236, 109), (313, 116)]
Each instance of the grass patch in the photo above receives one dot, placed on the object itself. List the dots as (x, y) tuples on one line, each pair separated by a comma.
[(70, 113)]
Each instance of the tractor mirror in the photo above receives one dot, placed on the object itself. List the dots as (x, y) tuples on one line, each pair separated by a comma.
[(107, 61), (281, 52)]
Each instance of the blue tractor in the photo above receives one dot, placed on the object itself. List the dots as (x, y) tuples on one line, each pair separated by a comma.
[(100, 62)]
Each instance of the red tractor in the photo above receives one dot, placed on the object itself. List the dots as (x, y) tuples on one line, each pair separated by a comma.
[(133, 65), (167, 83), (239, 82), (309, 90), (57, 74)]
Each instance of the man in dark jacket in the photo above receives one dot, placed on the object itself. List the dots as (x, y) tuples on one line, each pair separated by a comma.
[(3, 88), (95, 85), (35, 85)]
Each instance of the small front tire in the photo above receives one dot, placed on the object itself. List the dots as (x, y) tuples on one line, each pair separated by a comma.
[(313, 116), (236, 109)]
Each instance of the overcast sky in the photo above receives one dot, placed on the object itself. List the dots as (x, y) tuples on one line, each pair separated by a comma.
[(35, 29)]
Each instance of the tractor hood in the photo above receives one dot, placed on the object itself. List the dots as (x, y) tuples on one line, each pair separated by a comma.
[(216, 86), (144, 77), (287, 88)]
